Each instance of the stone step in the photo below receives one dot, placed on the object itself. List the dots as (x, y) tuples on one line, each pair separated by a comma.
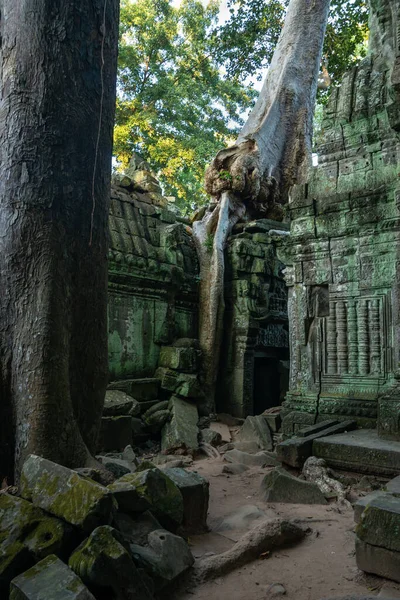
[(361, 451), (141, 389)]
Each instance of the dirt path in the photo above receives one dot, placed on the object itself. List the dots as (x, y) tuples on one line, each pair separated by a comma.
[(321, 566)]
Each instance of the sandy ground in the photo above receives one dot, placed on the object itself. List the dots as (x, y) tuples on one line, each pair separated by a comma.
[(321, 566)]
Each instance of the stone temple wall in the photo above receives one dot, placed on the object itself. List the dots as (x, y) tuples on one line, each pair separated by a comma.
[(343, 253)]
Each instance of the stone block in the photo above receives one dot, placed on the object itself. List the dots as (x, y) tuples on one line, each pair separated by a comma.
[(260, 459), (183, 384), (380, 523), (376, 560), (317, 428), (63, 493), (256, 429), (28, 534), (363, 502), (280, 486), (208, 436), (135, 530), (274, 421), (186, 360), (181, 431), (142, 389), (103, 564), (119, 403), (117, 466), (393, 486), (49, 579), (151, 490), (165, 558), (195, 493), (295, 451), (115, 433)]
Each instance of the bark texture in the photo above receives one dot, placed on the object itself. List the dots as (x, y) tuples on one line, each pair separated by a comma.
[(271, 154), (57, 97)]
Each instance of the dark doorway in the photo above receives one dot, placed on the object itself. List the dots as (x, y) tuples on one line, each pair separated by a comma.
[(270, 382)]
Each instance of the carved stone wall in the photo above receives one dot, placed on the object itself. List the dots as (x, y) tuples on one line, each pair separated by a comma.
[(343, 254)]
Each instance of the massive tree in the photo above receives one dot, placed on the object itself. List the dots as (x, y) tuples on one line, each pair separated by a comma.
[(57, 80), (271, 154)]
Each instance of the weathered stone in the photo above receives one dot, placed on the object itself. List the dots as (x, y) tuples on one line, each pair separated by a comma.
[(143, 180), (261, 459), (117, 466), (295, 451), (380, 523), (363, 502), (135, 530), (208, 436), (394, 485), (63, 493), (256, 429), (182, 359), (317, 428), (166, 557), (377, 560), (181, 431), (184, 384), (160, 406), (143, 389), (156, 421), (195, 493), (129, 455), (280, 486), (49, 579), (150, 490), (222, 429), (115, 433), (28, 534), (119, 403), (273, 419), (235, 469), (102, 562), (97, 475)]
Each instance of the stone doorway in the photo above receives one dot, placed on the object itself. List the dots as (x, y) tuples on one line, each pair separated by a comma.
[(270, 382)]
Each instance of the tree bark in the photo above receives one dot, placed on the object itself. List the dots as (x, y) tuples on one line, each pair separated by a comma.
[(271, 154), (57, 98)]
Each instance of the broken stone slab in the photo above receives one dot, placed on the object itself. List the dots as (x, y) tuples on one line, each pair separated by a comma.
[(115, 433), (117, 466), (265, 537), (281, 486), (261, 459), (235, 469), (96, 475), (142, 389), (376, 560), (103, 563), (295, 451), (223, 430), (151, 490), (135, 530), (65, 494), (208, 436), (380, 523), (195, 493), (393, 486), (182, 359), (167, 459), (166, 557), (363, 502), (28, 534), (183, 384), (49, 579), (118, 403), (317, 428), (256, 429), (274, 420), (181, 432)]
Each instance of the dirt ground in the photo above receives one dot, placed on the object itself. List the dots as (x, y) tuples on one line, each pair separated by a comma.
[(321, 566)]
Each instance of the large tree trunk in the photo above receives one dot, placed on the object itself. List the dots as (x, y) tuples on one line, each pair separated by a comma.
[(57, 80), (271, 154)]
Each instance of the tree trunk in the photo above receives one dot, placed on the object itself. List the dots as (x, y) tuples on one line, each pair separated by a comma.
[(271, 154), (57, 86)]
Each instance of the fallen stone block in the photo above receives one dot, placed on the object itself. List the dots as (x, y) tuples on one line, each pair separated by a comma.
[(222, 429), (295, 451), (274, 420), (380, 523), (256, 429), (103, 563), (181, 431), (183, 384), (265, 537), (49, 579), (376, 560), (261, 459), (393, 486), (165, 558), (195, 493), (65, 494), (118, 403), (117, 466), (363, 502), (28, 534), (280, 486), (182, 359), (317, 428), (151, 490), (235, 469), (136, 530), (141, 389), (115, 433), (208, 436)]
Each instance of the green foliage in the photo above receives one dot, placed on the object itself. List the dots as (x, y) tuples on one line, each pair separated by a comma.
[(183, 79)]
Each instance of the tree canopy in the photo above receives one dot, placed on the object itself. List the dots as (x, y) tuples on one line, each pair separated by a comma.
[(186, 79)]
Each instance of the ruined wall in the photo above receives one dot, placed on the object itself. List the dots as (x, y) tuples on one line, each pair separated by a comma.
[(344, 250), (153, 280)]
